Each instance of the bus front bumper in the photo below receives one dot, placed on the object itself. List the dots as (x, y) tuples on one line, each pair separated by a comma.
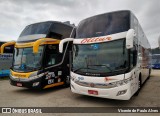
[(28, 83), (120, 93)]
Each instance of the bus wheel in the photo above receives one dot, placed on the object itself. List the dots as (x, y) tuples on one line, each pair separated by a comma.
[(139, 86), (67, 81)]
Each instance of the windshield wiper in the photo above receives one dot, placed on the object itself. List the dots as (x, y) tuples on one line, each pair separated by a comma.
[(104, 66), (83, 68)]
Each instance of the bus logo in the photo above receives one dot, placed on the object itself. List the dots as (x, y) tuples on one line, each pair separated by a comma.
[(22, 66), (96, 39), (6, 110), (80, 78)]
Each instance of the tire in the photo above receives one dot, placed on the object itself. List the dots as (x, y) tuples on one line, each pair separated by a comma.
[(139, 86)]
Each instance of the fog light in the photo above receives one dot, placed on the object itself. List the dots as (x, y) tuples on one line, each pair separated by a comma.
[(122, 92), (35, 84)]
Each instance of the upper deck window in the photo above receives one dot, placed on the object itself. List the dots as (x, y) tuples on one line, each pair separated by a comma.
[(104, 24), (38, 28)]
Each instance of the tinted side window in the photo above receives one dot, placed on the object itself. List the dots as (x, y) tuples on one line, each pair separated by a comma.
[(60, 30), (9, 49), (133, 57), (38, 28), (52, 55)]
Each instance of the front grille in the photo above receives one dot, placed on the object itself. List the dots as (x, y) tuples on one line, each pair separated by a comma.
[(96, 85)]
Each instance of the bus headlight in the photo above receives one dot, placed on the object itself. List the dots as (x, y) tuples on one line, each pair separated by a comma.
[(35, 76)]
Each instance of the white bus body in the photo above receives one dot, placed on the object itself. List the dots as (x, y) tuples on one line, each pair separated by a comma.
[(111, 56)]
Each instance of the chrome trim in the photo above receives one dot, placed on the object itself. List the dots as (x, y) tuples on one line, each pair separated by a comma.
[(96, 85), (23, 79), (104, 85)]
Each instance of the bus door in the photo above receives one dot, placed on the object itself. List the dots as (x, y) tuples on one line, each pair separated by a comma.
[(55, 64)]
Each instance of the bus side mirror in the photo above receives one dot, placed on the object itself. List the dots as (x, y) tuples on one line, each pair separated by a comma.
[(38, 42), (62, 43), (129, 38), (6, 45)]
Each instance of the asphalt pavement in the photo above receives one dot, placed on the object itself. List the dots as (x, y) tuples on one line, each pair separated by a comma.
[(11, 96)]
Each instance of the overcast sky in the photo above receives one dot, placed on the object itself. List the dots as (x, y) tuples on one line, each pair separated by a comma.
[(16, 14)]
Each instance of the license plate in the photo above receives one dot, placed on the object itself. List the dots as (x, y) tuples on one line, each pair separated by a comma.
[(93, 92), (19, 84)]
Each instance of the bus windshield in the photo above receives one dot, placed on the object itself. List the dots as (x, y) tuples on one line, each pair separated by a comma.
[(104, 24), (38, 28), (25, 60), (100, 58)]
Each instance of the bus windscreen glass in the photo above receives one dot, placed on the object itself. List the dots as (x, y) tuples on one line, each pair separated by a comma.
[(25, 60), (104, 24), (39, 28), (100, 58)]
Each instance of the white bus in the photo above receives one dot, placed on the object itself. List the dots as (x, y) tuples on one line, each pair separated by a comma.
[(111, 56), (6, 60)]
